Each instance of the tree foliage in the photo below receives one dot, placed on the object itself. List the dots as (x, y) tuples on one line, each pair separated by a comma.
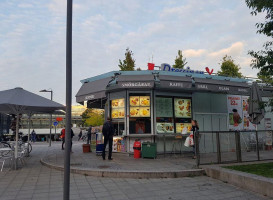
[(128, 64), (263, 59), (229, 68), (94, 117), (180, 61)]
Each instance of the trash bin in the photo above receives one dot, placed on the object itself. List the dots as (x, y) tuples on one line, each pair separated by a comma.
[(137, 149), (149, 150), (99, 144), (86, 148)]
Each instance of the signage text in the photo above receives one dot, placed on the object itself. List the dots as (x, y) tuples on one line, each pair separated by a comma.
[(167, 67)]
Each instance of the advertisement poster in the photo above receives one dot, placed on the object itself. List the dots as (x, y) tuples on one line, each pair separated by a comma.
[(119, 144), (247, 124), (165, 127), (164, 107), (118, 110), (235, 112), (268, 137), (140, 106), (181, 126), (182, 108)]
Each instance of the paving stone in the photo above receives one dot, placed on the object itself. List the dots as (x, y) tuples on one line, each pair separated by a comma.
[(37, 182)]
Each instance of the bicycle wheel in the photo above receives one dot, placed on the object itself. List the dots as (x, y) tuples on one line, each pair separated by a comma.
[(29, 147), (4, 144)]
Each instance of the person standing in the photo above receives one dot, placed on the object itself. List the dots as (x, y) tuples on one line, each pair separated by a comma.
[(108, 133), (89, 132), (194, 128), (63, 138), (33, 136), (80, 135)]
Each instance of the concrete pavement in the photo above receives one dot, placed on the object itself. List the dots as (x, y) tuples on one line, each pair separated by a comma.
[(37, 182), (122, 165)]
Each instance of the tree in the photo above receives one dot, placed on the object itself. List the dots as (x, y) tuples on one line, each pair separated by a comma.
[(138, 69), (229, 68), (179, 61), (94, 117), (128, 64), (263, 60)]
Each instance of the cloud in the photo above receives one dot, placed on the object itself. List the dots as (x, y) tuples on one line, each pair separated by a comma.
[(32, 40), (194, 53), (234, 50)]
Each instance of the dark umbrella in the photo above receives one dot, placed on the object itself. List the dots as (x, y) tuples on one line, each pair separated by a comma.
[(255, 109), (19, 101)]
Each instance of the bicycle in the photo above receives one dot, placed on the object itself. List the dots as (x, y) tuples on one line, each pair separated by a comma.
[(22, 144), (4, 144)]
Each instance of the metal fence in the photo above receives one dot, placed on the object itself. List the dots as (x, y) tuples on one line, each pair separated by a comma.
[(216, 147)]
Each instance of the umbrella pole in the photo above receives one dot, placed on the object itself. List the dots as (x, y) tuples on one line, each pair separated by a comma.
[(16, 142), (28, 134)]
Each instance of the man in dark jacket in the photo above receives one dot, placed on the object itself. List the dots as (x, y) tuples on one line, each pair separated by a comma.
[(89, 132), (108, 133)]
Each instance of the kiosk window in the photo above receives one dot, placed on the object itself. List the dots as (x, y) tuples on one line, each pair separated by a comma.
[(117, 108), (119, 128), (183, 114), (164, 115), (140, 114)]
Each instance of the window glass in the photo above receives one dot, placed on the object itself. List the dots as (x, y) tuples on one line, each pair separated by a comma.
[(182, 108), (140, 114), (183, 114), (117, 108), (164, 115), (140, 106), (119, 128)]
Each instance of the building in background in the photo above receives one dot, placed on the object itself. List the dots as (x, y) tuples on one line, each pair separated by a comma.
[(4, 124), (41, 122)]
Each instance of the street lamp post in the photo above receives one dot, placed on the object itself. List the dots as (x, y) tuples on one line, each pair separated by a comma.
[(51, 98)]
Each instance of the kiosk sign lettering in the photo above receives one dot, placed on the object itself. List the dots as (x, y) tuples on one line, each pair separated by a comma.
[(136, 84), (167, 67), (90, 97)]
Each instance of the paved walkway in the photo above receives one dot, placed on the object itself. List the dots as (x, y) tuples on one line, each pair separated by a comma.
[(37, 182), (122, 164)]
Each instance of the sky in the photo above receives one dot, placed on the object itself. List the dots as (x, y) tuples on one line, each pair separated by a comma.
[(33, 38)]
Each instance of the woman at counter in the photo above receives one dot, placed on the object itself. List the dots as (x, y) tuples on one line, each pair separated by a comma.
[(194, 128)]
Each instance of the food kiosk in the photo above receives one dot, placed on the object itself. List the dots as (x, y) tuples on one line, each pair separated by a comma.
[(157, 105)]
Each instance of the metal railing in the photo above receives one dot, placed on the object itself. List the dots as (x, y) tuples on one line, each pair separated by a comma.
[(216, 147)]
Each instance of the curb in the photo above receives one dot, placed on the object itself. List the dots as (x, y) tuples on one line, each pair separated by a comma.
[(255, 183), (128, 174)]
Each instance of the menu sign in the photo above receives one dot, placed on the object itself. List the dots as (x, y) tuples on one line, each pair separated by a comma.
[(165, 127), (140, 106), (182, 108), (164, 107), (118, 110), (181, 126)]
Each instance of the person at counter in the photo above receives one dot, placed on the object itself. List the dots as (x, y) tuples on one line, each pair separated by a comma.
[(108, 133), (194, 128)]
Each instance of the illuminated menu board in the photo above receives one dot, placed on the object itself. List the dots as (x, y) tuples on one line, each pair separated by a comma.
[(140, 106), (182, 108), (118, 110), (181, 126)]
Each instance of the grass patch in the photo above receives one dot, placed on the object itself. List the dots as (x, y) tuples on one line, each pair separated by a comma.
[(263, 169)]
